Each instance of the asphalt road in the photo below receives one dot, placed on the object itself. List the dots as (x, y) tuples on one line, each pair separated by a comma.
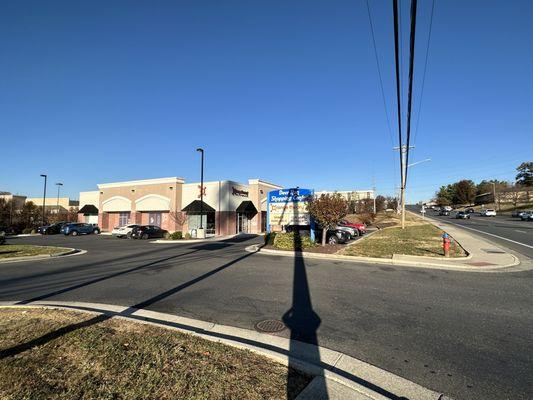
[(504, 230), (464, 334)]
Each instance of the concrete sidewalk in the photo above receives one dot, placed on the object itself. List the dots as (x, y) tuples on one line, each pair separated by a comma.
[(483, 256), (337, 376)]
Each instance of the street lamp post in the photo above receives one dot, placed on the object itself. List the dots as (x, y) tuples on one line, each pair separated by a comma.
[(58, 184), (44, 198), (201, 192)]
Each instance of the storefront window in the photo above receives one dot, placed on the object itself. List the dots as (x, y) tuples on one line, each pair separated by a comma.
[(123, 218), (154, 219), (208, 222)]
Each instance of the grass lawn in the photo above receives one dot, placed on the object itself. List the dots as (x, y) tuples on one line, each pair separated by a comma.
[(22, 250), (117, 359), (417, 239)]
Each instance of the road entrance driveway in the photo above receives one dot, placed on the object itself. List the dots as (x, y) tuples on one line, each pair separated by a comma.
[(460, 333)]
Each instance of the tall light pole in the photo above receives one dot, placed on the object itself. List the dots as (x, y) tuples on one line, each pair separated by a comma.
[(201, 188), (58, 184), (44, 198)]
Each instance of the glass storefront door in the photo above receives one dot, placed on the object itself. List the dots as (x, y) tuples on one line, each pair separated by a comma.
[(154, 219), (243, 223)]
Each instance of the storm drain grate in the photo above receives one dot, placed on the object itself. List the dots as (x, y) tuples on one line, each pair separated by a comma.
[(270, 326)]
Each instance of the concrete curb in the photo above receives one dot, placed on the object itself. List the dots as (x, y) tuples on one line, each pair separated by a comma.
[(424, 262), (211, 239), (68, 253), (342, 376)]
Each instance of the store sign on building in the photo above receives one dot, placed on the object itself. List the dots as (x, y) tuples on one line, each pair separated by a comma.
[(288, 207), (239, 192)]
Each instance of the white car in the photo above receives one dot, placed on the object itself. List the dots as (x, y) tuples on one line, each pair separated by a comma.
[(488, 213), (123, 231)]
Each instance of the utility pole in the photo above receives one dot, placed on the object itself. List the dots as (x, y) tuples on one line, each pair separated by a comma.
[(374, 192), (494, 194), (403, 157)]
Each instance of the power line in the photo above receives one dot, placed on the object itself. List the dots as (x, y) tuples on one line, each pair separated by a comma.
[(379, 72), (425, 69), (410, 89), (398, 92)]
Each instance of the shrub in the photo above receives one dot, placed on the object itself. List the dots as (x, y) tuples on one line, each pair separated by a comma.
[(292, 241), (187, 236), (269, 238), (178, 235), (367, 218)]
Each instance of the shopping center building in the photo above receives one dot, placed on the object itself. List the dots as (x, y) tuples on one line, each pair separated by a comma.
[(228, 207)]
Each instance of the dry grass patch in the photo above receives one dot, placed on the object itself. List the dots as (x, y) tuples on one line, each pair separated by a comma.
[(417, 239), (24, 250), (117, 359)]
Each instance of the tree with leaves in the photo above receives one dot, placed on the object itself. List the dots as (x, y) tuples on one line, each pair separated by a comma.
[(464, 192), (444, 196), (525, 174), (380, 203), (328, 210)]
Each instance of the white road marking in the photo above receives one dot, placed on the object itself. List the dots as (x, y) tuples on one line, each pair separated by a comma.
[(517, 230), (491, 234)]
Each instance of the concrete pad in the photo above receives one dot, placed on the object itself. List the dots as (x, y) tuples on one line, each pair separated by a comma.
[(323, 389)]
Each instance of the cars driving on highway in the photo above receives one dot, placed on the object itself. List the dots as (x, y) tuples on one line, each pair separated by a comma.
[(462, 215), (489, 212), (526, 216)]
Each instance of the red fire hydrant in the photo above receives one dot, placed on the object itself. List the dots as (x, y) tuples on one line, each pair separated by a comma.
[(446, 244)]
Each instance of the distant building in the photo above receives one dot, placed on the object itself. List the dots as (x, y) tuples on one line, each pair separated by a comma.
[(18, 201), (55, 205), (350, 195)]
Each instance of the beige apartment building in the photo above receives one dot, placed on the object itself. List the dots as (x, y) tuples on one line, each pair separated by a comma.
[(228, 206), (350, 195)]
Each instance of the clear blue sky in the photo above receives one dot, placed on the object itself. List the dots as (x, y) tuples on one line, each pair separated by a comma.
[(287, 91)]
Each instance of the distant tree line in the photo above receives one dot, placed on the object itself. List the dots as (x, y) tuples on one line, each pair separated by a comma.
[(465, 191)]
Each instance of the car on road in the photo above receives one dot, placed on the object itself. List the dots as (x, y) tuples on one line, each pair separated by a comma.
[(123, 231), (148, 232), (52, 229), (462, 215), (79, 228), (361, 228), (444, 212), (489, 212), (526, 216), (470, 210)]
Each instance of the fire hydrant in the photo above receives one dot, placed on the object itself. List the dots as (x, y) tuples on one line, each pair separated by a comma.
[(446, 244)]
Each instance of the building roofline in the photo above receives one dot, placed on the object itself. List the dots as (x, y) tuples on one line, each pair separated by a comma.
[(154, 181), (259, 181)]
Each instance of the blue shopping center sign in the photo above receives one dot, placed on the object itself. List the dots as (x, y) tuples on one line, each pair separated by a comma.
[(288, 207)]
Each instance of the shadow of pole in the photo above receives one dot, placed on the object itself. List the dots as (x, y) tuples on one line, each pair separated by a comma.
[(302, 320)]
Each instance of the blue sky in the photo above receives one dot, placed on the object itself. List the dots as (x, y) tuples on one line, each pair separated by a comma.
[(286, 91)]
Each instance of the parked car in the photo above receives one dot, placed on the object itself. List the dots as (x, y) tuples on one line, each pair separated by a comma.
[(361, 228), (78, 228), (444, 212), (52, 229), (462, 215), (147, 232), (333, 236), (526, 216), (352, 232), (123, 231), (489, 212)]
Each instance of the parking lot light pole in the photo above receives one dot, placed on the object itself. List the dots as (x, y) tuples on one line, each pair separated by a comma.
[(201, 187), (58, 184), (44, 197)]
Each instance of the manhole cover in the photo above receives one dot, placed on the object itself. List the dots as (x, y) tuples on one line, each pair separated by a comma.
[(270, 326)]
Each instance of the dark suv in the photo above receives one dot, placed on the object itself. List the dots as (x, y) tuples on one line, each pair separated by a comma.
[(78, 228), (147, 232), (51, 229)]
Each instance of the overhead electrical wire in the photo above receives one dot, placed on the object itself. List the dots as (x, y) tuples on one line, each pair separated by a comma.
[(410, 88), (379, 71), (424, 74), (398, 91)]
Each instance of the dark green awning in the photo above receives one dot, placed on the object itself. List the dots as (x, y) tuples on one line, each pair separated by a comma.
[(196, 207), (247, 207)]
